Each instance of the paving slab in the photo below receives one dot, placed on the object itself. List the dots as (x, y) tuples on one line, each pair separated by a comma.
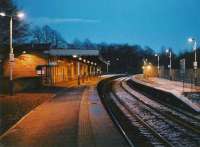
[(52, 124), (105, 132), (74, 118)]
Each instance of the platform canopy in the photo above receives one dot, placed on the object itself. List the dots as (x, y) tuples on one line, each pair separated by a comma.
[(71, 52), (92, 55)]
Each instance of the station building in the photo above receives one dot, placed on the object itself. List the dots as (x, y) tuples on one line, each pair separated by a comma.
[(55, 65)]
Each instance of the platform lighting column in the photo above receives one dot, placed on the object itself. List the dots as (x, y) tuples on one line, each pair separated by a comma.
[(195, 64), (11, 54), (170, 62), (158, 66)]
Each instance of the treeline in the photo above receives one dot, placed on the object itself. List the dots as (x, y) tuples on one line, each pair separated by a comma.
[(124, 58)]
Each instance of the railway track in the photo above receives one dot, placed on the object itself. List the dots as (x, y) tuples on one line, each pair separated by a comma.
[(147, 132), (131, 84), (181, 118), (171, 133), (142, 123)]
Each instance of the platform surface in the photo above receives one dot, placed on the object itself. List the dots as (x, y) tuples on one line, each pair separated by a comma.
[(74, 118), (175, 87)]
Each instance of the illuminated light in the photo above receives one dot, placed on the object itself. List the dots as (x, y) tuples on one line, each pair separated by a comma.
[(190, 39), (156, 55), (95, 64), (20, 15), (24, 52), (80, 58), (142, 67), (88, 61), (149, 67), (74, 56), (84, 60), (92, 63), (2, 14), (167, 50)]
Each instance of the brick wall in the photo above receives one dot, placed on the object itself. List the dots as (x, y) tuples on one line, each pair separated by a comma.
[(24, 66)]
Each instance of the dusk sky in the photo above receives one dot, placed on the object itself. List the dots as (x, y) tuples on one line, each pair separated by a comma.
[(153, 23)]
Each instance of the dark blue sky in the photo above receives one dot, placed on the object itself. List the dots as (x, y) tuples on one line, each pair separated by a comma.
[(153, 23)]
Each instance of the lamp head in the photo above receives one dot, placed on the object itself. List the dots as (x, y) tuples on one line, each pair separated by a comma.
[(191, 39), (2, 14), (74, 56), (20, 15)]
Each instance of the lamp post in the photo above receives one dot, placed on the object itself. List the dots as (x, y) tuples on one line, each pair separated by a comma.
[(195, 64), (170, 62), (108, 64), (11, 54), (158, 58)]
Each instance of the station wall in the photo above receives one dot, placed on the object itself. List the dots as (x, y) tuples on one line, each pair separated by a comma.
[(59, 69)]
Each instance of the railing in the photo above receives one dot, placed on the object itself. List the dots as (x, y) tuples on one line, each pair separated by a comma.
[(187, 77)]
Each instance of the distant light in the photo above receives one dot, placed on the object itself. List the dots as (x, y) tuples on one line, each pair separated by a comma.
[(24, 52), (156, 55), (20, 15), (74, 56), (84, 60), (142, 67), (92, 63), (88, 61), (80, 58), (95, 64), (2, 14), (190, 39), (167, 50)]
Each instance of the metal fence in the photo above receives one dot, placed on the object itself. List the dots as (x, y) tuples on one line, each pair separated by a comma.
[(177, 75)]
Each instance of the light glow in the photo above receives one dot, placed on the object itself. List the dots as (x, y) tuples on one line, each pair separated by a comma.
[(190, 39), (2, 14), (74, 56), (20, 15)]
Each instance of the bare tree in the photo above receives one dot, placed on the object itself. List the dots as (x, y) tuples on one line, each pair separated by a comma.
[(48, 35)]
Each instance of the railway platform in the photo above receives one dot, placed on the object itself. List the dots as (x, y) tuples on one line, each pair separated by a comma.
[(187, 93), (74, 118)]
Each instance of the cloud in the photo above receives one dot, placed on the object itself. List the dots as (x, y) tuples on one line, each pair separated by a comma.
[(47, 20)]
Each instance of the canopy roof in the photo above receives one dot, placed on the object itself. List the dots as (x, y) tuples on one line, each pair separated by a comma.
[(71, 52)]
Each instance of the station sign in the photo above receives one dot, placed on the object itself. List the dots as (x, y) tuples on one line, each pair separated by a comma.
[(12, 57)]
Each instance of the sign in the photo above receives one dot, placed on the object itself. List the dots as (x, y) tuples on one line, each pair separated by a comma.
[(53, 63), (12, 57)]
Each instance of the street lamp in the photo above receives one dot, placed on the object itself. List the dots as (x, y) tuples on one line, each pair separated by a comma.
[(74, 56), (158, 57), (20, 15), (195, 64), (108, 64), (170, 62)]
